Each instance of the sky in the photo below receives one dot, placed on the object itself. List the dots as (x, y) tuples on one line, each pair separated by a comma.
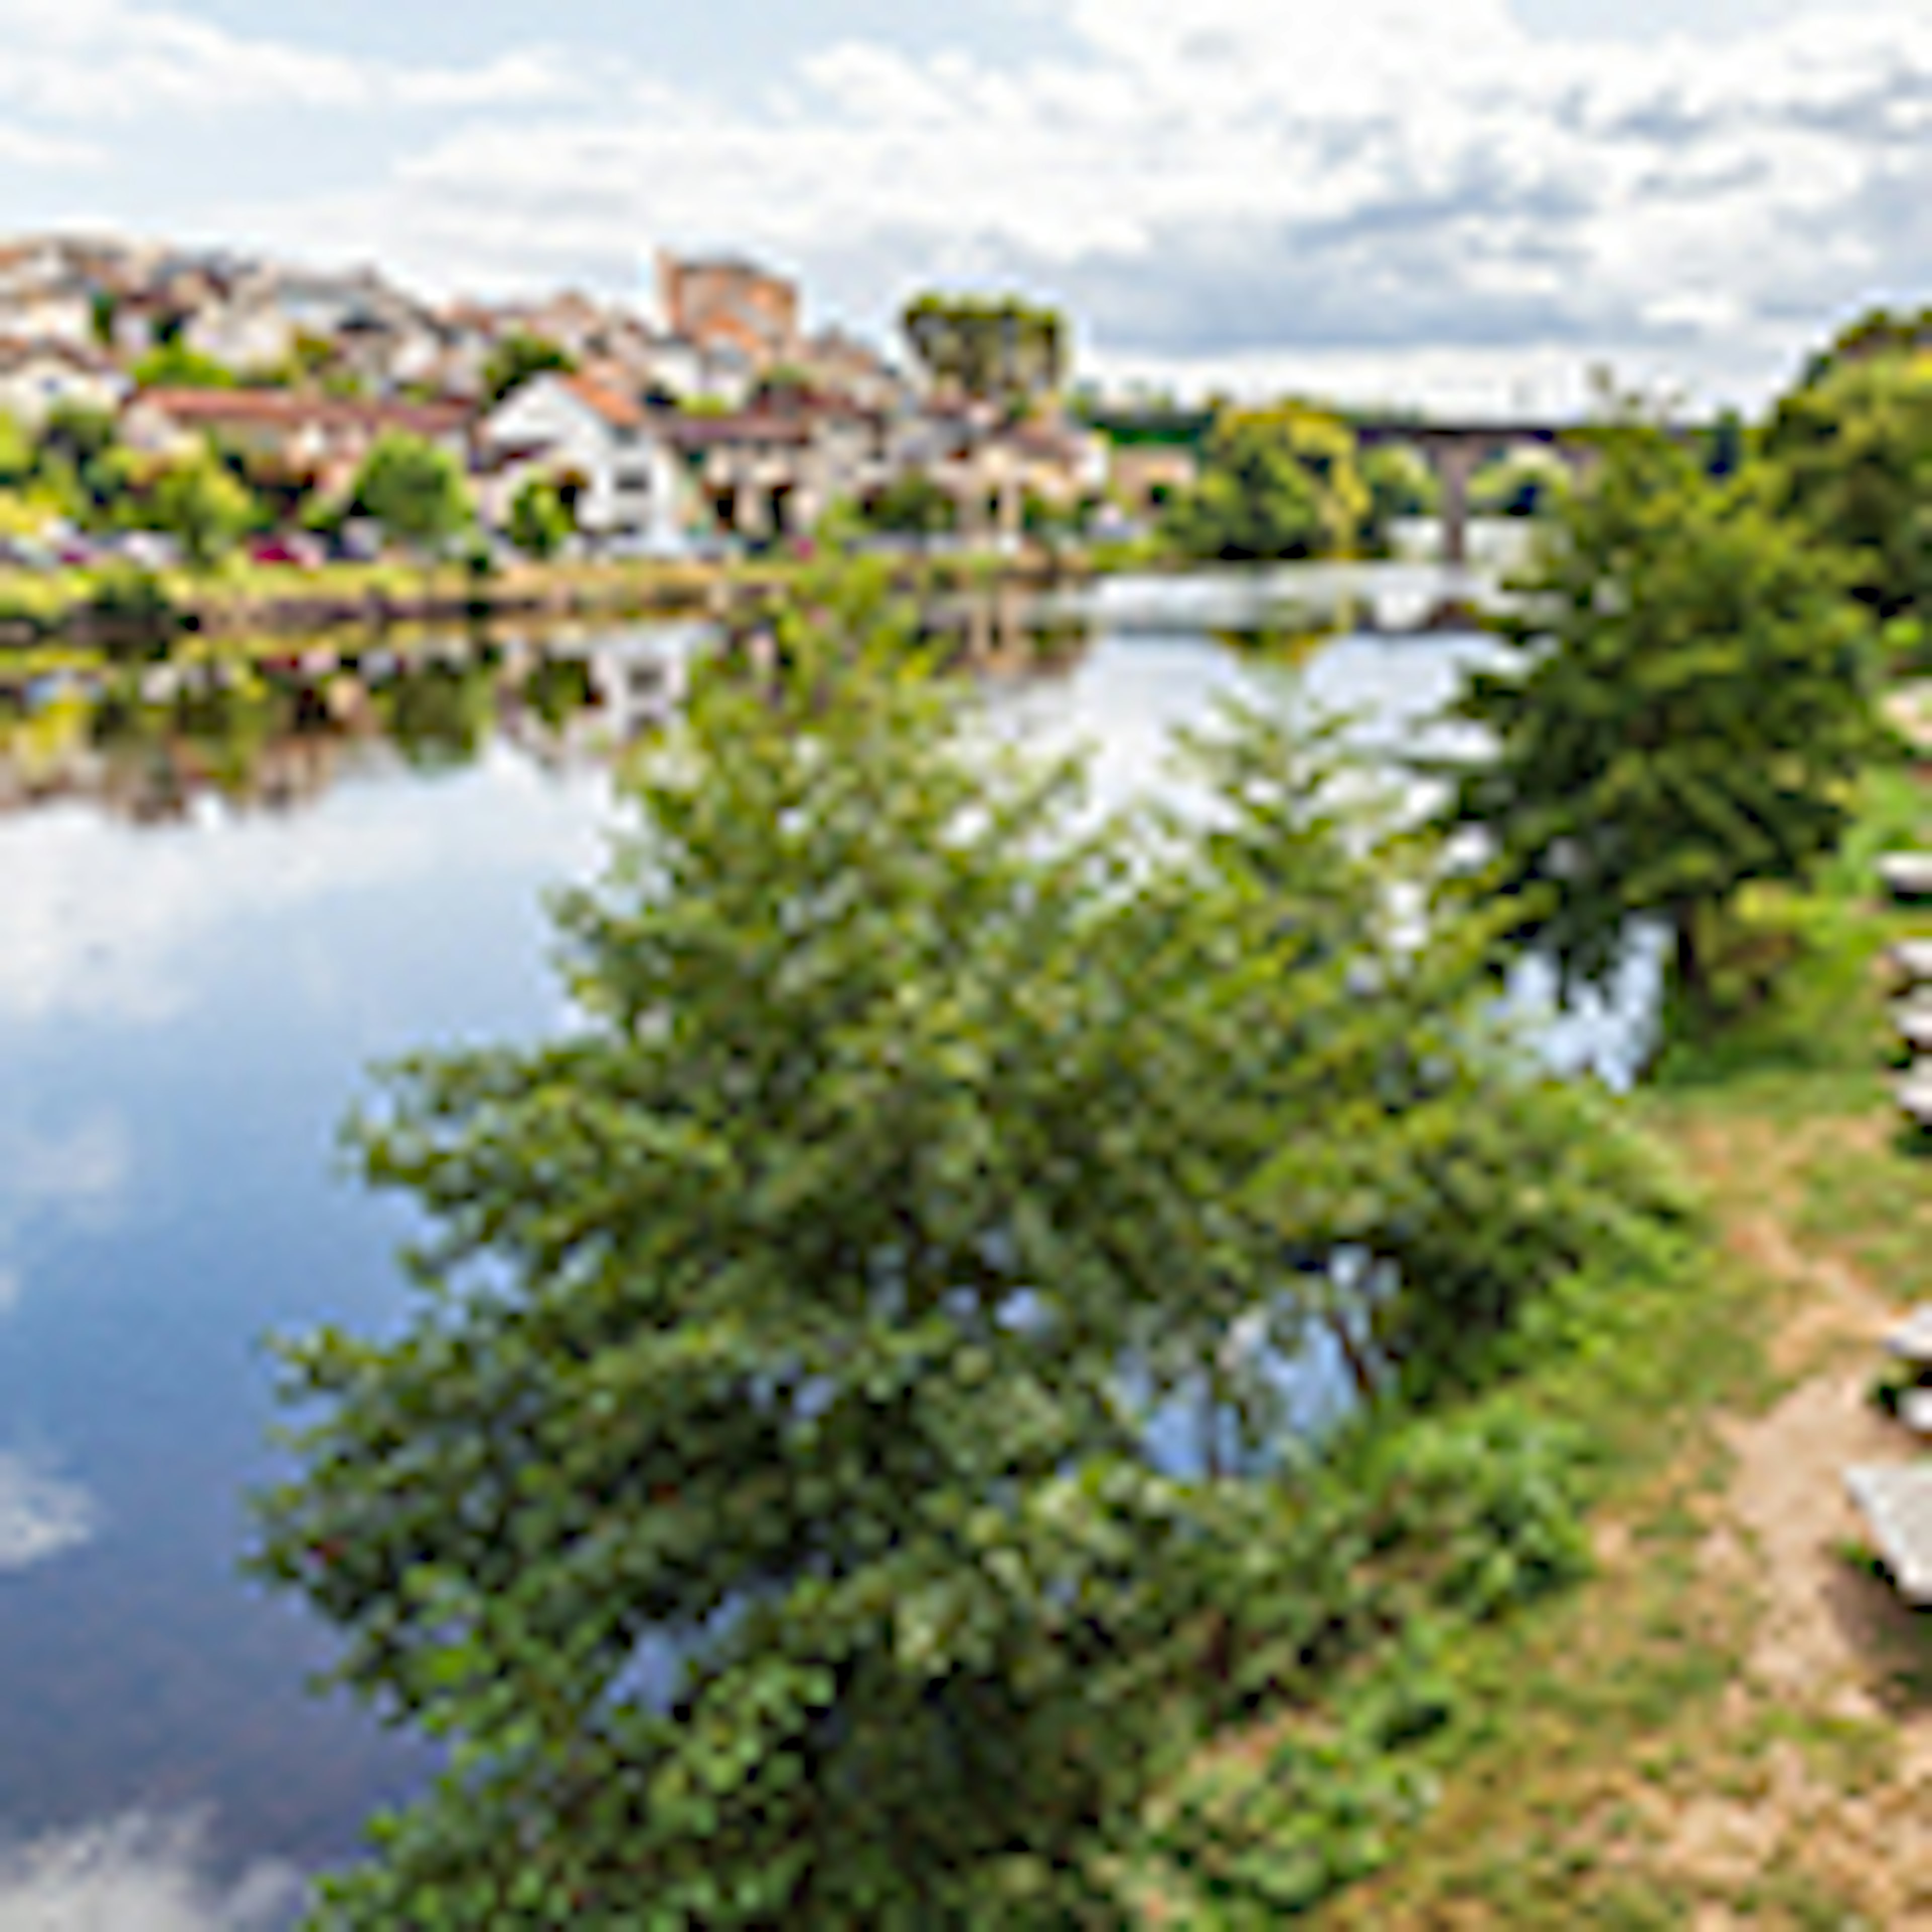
[(1455, 202)]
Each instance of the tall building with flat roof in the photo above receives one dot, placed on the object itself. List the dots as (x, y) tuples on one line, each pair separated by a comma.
[(724, 302)]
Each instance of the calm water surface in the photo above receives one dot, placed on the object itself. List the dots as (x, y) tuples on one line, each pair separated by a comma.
[(203, 943)]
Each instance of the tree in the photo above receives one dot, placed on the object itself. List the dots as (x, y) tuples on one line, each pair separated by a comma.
[(76, 434), (1518, 482), (518, 357), (757, 1500), (913, 505), (1851, 454), (83, 468), (1275, 483), (1400, 485), (540, 524), (199, 502), (415, 489), (821, 1288), (173, 364), (17, 460), (1880, 332), (1002, 350), (1689, 696)]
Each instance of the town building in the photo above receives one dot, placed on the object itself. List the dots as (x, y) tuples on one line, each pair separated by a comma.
[(725, 302), (320, 441), (37, 378), (601, 446)]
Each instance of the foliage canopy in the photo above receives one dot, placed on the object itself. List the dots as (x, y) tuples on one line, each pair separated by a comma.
[(1000, 350), (416, 489), (198, 501), (1275, 483), (764, 1499), (540, 521), (1851, 454), (518, 357), (1686, 697)]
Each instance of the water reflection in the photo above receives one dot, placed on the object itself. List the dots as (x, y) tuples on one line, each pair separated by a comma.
[(268, 729), (140, 1873), (41, 1517), (230, 887)]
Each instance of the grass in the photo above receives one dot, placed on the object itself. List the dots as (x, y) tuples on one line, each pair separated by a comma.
[(1616, 1763)]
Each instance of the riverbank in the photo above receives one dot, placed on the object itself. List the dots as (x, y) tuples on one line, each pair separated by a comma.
[(1731, 1723), (107, 607)]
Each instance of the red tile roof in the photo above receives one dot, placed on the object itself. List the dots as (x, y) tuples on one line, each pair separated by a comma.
[(291, 408), (620, 411)]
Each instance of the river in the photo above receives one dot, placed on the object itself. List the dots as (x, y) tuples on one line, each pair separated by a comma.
[(218, 906)]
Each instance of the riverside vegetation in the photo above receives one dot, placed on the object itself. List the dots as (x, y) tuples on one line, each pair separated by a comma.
[(762, 1504)]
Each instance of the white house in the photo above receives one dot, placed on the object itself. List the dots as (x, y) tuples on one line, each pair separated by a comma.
[(630, 483), (681, 368), (59, 311), (37, 378), (250, 332)]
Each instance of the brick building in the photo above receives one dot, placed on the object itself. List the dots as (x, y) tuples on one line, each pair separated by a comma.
[(727, 303)]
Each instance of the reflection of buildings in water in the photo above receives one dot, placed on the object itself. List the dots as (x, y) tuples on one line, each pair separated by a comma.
[(145, 747), (629, 686), (1008, 633), (146, 744)]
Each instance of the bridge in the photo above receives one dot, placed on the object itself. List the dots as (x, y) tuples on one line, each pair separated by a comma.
[(1454, 448)]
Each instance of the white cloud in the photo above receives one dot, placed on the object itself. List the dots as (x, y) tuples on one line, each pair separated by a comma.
[(1203, 184), (110, 60), (32, 148), (139, 1874), (41, 1517)]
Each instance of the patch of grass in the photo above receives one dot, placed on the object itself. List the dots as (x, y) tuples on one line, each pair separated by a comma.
[(1612, 1707), (1787, 1896), (1850, 1754), (1866, 1202)]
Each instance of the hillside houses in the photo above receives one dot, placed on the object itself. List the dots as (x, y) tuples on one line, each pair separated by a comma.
[(721, 414), (38, 378), (319, 441), (613, 455)]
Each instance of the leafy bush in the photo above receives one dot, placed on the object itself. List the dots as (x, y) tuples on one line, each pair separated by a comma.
[(753, 1500), (1255, 1840)]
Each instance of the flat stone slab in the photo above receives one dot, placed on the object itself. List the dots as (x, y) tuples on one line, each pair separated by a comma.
[(1906, 875), (1896, 1502), (1913, 958), (1914, 1410), (1913, 1020), (1911, 1341), (1914, 1092)]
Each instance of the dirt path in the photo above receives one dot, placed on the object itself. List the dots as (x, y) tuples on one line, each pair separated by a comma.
[(1829, 1650)]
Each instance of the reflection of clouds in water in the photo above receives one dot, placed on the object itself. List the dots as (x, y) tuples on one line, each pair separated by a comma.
[(74, 1169), (102, 920), (79, 1173), (41, 1517), (139, 1874)]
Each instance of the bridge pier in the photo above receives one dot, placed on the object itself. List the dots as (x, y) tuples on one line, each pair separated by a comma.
[(1456, 464)]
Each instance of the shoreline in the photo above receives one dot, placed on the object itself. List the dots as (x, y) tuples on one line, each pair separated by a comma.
[(104, 609)]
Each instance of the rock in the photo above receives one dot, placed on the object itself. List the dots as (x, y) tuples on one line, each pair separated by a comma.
[(1914, 1092), (1913, 958), (1906, 875)]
